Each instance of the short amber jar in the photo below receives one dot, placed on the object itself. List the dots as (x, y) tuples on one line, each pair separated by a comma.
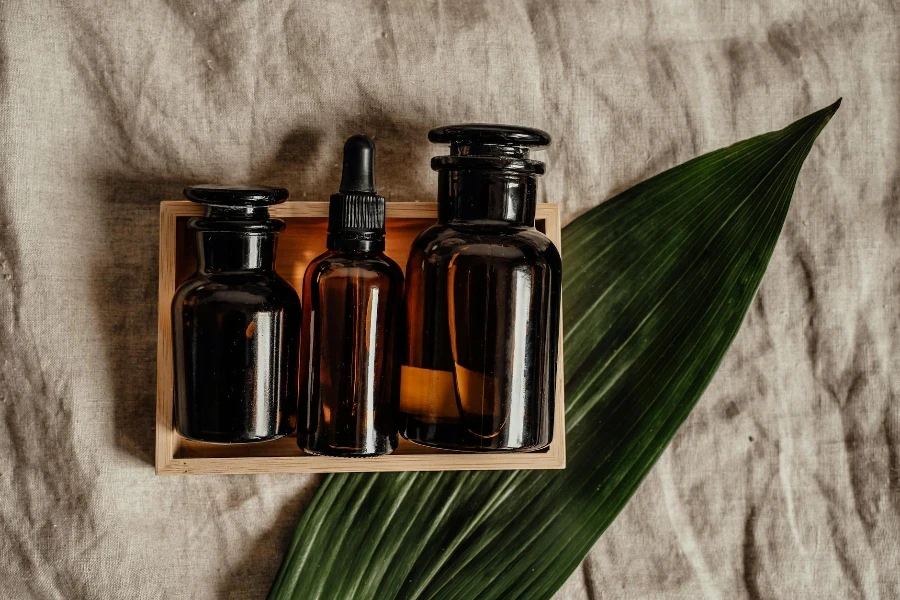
[(235, 323)]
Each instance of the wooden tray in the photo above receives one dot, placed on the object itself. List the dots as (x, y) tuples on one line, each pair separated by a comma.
[(298, 244)]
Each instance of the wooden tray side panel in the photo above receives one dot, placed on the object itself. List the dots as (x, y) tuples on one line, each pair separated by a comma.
[(302, 240)]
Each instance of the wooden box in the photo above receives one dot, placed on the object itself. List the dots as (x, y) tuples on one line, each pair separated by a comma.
[(298, 244)]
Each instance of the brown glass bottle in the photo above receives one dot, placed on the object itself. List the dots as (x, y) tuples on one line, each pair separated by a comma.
[(352, 310), (482, 301), (235, 323)]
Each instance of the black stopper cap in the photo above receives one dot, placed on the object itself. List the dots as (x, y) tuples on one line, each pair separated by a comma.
[(487, 146), (237, 196), (488, 134), (356, 213), (238, 208)]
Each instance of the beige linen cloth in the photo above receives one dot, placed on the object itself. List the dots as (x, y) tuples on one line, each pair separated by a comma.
[(784, 483)]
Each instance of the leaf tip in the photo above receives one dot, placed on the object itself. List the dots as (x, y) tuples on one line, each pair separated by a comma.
[(827, 113), (822, 116), (833, 108)]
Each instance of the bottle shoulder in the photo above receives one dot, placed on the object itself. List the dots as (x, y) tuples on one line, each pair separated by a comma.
[(447, 240), (353, 265), (234, 288)]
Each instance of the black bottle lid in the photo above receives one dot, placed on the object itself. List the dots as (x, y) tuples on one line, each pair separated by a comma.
[(356, 212), (487, 146), (236, 207), (236, 195)]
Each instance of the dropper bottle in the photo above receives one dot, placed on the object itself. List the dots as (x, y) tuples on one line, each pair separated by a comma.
[(352, 308)]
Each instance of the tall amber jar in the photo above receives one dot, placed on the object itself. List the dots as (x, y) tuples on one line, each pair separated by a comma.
[(482, 300)]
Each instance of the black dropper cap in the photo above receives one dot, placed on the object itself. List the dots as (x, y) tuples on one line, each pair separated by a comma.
[(356, 213)]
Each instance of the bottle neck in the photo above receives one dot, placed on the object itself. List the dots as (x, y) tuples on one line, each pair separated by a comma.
[(487, 197), (249, 213), (224, 251), (346, 241)]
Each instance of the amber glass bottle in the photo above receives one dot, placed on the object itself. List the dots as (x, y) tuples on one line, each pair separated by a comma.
[(482, 301), (235, 323), (352, 310)]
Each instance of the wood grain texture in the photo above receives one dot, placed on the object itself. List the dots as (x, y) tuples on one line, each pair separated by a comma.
[(298, 244)]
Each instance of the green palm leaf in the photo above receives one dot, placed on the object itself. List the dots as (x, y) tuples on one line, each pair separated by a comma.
[(656, 284)]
